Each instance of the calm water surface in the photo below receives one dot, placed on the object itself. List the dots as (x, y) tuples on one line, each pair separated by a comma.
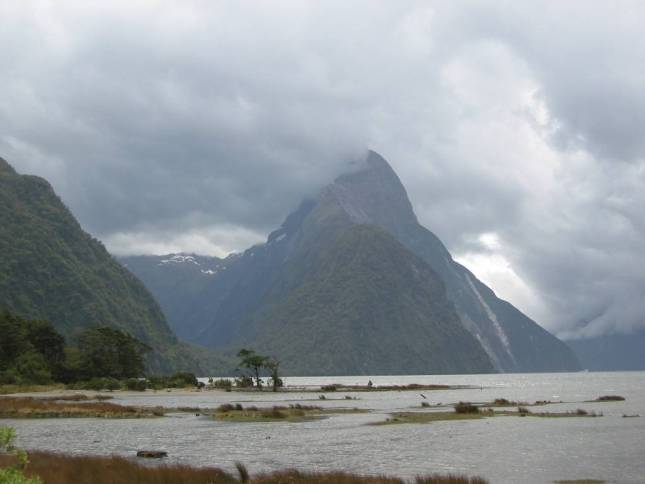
[(503, 449)]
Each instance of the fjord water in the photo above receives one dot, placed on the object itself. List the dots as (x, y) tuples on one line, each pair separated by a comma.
[(502, 449)]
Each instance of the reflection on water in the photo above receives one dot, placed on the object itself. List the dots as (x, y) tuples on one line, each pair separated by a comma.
[(503, 449)]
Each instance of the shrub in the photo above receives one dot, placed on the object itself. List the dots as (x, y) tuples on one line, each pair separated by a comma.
[(581, 411), (225, 407), (14, 475), (184, 379), (136, 384), (224, 383), (275, 412), (329, 388), (466, 407), (97, 384), (425, 404), (523, 410), (244, 381)]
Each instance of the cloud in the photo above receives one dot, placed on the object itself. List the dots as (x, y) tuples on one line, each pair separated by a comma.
[(198, 126)]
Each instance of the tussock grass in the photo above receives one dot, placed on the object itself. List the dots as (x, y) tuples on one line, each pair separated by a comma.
[(292, 413), (525, 412), (468, 411), (62, 469), (466, 407), (8, 389), (50, 407), (427, 417), (610, 398)]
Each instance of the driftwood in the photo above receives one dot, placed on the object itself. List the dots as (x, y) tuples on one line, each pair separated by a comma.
[(152, 454)]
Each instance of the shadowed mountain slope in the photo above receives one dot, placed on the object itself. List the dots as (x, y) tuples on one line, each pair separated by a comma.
[(51, 269)]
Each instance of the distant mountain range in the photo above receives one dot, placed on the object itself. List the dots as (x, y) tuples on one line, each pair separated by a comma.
[(51, 269), (613, 352), (351, 283)]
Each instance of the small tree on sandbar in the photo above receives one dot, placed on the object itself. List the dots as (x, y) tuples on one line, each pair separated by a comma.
[(252, 361)]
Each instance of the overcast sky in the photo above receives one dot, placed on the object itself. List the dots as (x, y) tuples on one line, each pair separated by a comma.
[(517, 127)]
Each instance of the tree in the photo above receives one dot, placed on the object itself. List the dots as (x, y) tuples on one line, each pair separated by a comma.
[(274, 366), (109, 352), (253, 362), (31, 351)]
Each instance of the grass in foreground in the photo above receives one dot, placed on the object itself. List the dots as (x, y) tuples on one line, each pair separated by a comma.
[(63, 469), (70, 407), (292, 413)]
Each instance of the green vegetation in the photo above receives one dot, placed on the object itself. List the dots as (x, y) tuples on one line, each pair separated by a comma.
[(14, 474), (361, 287), (255, 363), (55, 468), (222, 383), (52, 270), (32, 352), (292, 413), (33, 356)]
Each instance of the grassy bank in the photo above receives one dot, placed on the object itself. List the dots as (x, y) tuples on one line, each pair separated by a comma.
[(292, 413), (70, 407), (468, 411), (63, 469)]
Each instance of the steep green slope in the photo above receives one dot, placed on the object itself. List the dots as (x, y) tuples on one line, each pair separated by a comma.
[(51, 269), (368, 306)]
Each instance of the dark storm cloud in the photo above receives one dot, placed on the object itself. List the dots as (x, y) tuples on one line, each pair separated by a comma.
[(516, 127)]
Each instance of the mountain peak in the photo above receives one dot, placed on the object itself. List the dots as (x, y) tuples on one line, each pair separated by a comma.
[(372, 194), (5, 167)]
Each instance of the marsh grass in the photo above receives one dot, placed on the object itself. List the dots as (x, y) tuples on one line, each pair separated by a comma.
[(427, 417), (610, 398), (63, 469), (525, 412), (291, 413), (503, 402), (9, 389), (50, 407), (468, 411)]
